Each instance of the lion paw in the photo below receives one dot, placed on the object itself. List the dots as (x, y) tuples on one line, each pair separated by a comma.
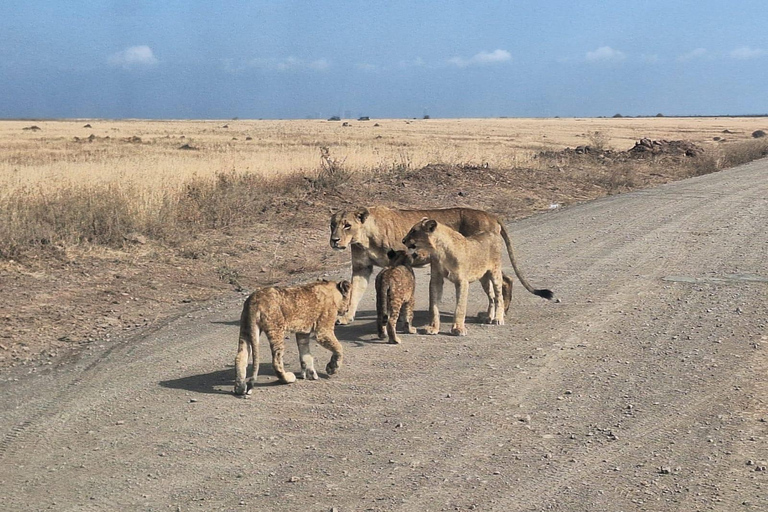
[(241, 388), (344, 320), (497, 322), (459, 331), (288, 378), (430, 329)]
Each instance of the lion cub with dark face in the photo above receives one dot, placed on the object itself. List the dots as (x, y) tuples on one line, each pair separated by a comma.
[(395, 287), (306, 309), (461, 260)]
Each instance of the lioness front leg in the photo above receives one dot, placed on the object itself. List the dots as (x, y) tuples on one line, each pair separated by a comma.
[(462, 293), (307, 361), (435, 296), (361, 275), (327, 339), (277, 344)]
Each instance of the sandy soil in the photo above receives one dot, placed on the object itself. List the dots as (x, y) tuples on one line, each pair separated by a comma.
[(643, 389)]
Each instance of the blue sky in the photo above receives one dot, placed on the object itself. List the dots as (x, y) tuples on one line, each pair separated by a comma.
[(296, 59)]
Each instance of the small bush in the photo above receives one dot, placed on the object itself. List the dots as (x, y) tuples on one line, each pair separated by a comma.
[(757, 134)]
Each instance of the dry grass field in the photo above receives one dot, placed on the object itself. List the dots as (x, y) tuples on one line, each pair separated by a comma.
[(108, 226)]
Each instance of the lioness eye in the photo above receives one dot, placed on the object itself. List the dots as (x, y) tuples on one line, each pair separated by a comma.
[(347, 225)]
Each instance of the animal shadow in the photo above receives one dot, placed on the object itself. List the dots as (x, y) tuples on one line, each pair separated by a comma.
[(211, 383)]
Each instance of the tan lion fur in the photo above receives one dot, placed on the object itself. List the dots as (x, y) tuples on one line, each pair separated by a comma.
[(372, 232), (395, 289), (306, 309), (461, 260)]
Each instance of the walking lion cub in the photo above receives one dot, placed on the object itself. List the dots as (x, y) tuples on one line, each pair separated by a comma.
[(305, 310), (395, 289)]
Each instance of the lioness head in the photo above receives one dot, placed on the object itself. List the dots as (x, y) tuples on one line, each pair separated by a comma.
[(346, 227), (417, 238), (397, 258), (342, 304)]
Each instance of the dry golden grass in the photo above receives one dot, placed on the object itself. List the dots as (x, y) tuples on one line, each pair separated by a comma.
[(51, 157)]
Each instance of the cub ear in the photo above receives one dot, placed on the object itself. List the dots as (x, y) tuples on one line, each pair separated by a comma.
[(430, 226), (362, 215), (344, 287), (391, 254)]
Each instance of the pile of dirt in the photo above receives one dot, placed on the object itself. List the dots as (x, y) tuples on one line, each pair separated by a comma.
[(643, 148), (647, 147)]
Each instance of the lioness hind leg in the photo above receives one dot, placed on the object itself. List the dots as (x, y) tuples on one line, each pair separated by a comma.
[(307, 361), (488, 316), (328, 340), (498, 283), (277, 344)]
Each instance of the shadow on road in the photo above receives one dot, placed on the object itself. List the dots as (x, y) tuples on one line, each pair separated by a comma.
[(211, 383)]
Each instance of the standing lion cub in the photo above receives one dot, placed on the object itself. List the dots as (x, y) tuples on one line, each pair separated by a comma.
[(306, 309), (395, 290), (461, 260)]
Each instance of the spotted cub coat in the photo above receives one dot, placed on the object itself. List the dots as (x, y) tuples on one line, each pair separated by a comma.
[(305, 310), (395, 287)]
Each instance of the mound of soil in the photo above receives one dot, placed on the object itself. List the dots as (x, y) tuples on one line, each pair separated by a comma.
[(643, 148)]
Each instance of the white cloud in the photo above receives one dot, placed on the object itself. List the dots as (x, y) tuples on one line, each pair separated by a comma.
[(745, 53), (482, 59), (133, 57), (698, 53), (605, 54)]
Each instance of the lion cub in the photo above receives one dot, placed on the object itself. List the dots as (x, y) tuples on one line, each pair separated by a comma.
[(306, 309), (461, 260), (395, 287)]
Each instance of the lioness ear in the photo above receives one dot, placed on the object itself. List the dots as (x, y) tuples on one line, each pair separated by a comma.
[(362, 214), (344, 287), (430, 226)]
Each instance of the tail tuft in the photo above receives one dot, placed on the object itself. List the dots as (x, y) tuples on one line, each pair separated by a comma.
[(547, 294)]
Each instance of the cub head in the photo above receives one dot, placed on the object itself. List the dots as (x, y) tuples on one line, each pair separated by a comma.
[(347, 227), (397, 258), (418, 238), (342, 301)]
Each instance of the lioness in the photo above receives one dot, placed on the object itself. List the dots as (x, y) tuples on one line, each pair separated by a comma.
[(372, 232), (461, 260), (395, 289), (306, 309)]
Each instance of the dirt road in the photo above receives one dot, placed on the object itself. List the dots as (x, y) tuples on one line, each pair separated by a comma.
[(643, 389)]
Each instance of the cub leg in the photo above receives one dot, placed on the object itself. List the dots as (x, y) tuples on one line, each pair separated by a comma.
[(327, 339), (277, 344), (247, 345), (409, 304), (394, 313), (361, 275), (381, 307), (307, 361), (462, 293), (435, 296)]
